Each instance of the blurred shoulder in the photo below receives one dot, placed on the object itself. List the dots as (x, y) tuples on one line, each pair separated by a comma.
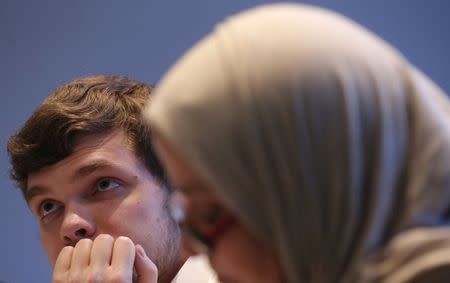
[(196, 270)]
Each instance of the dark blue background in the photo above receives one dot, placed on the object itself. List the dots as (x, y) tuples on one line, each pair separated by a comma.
[(46, 43)]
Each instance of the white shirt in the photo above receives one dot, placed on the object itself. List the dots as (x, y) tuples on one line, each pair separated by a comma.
[(196, 270)]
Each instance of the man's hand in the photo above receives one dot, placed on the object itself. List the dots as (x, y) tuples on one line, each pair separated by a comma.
[(104, 260)]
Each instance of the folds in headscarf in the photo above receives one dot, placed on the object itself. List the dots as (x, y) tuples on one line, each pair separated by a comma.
[(320, 136)]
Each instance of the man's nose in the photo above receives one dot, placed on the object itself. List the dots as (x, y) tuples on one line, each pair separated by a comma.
[(77, 224)]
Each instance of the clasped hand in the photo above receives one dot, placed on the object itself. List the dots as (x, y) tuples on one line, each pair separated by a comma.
[(105, 260)]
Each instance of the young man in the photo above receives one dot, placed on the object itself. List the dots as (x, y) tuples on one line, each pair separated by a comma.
[(86, 168)]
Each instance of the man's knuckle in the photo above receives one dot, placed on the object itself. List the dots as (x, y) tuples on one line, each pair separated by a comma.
[(122, 240), (73, 280), (104, 237), (95, 276), (83, 243), (58, 278), (118, 277), (153, 268)]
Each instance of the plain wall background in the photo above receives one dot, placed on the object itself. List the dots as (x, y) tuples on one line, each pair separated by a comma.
[(46, 43)]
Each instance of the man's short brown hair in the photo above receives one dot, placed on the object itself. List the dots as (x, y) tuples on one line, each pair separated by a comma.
[(86, 106)]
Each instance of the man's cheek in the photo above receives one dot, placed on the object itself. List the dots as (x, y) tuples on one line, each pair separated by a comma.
[(51, 251)]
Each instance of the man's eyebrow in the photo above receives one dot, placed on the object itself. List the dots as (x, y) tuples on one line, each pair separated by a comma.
[(81, 172), (33, 192), (90, 168)]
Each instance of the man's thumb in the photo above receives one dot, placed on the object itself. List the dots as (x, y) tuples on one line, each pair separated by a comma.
[(146, 270)]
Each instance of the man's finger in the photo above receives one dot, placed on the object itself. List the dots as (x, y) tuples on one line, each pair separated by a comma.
[(80, 258), (62, 264), (101, 251), (123, 259), (146, 270)]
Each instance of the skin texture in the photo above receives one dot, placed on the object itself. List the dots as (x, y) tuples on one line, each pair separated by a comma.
[(102, 188), (237, 255)]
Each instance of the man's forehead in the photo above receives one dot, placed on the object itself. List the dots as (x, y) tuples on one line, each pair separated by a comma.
[(117, 137)]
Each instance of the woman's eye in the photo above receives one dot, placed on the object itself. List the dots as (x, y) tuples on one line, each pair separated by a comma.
[(48, 207), (106, 185)]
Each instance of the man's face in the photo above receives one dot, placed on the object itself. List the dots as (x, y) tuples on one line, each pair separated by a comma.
[(103, 188)]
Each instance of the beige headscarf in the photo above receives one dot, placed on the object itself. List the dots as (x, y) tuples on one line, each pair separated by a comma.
[(322, 138)]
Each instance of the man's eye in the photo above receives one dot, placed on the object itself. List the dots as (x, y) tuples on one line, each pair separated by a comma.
[(48, 207), (106, 185)]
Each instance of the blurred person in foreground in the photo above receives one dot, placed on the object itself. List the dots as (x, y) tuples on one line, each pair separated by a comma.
[(306, 149)]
